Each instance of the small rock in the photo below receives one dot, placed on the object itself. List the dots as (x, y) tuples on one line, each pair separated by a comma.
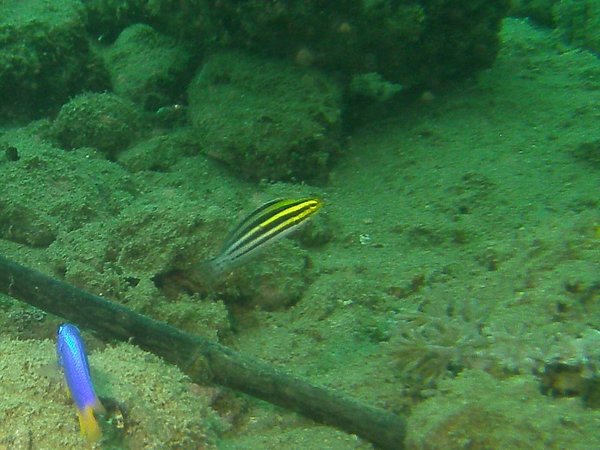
[(105, 122)]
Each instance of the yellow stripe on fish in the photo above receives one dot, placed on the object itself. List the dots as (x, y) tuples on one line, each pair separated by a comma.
[(265, 225)]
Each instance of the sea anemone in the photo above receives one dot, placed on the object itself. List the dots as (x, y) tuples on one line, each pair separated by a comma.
[(429, 348)]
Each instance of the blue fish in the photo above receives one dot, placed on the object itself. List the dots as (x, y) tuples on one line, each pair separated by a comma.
[(74, 362)]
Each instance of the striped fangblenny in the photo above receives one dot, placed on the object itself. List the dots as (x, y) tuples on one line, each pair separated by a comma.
[(265, 225)]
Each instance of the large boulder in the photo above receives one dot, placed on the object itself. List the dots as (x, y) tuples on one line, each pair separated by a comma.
[(44, 56), (148, 68), (266, 119)]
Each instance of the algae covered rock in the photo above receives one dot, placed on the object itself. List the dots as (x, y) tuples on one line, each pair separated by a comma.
[(44, 55), (46, 190), (162, 407), (275, 281), (485, 412), (405, 41), (104, 121), (266, 119), (147, 237), (121, 257), (577, 21), (159, 153), (147, 67)]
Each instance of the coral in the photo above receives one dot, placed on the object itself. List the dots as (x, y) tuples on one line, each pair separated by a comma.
[(476, 411), (428, 348)]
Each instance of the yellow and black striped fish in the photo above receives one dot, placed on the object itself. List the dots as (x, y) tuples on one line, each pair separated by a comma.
[(266, 224)]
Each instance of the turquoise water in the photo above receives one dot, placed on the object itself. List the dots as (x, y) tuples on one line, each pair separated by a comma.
[(451, 277)]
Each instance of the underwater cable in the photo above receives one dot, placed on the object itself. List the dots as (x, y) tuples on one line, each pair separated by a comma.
[(202, 360)]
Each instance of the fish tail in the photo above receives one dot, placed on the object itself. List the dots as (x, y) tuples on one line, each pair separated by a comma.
[(217, 267), (211, 271), (89, 425), (98, 407)]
